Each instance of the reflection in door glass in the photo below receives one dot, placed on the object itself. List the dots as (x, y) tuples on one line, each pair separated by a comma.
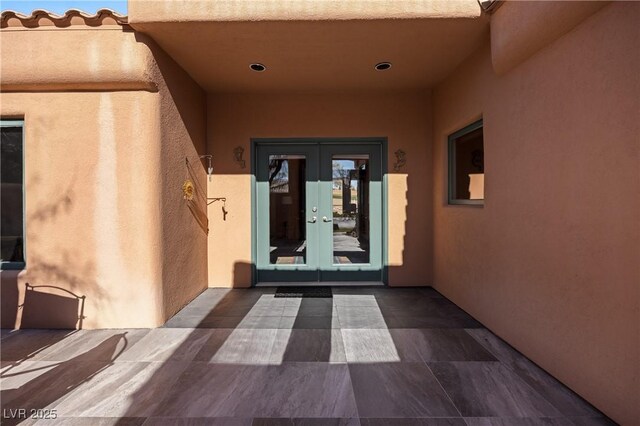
[(350, 195), (287, 225)]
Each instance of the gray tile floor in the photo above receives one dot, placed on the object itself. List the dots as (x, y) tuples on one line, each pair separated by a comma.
[(367, 356)]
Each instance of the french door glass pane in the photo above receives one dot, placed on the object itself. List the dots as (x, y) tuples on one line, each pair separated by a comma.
[(287, 209), (350, 206)]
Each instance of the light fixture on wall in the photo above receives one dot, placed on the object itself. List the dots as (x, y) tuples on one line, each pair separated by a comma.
[(238, 152), (401, 160), (209, 158)]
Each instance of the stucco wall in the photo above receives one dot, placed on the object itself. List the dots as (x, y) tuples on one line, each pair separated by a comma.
[(92, 209), (184, 224), (104, 169), (402, 117), (550, 263)]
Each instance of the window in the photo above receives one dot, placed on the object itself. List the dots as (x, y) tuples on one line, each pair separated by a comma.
[(11, 195), (466, 165)]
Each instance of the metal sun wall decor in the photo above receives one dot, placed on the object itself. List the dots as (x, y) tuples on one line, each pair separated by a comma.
[(238, 152), (188, 190), (400, 160)]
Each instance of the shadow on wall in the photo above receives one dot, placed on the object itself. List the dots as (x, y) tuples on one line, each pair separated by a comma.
[(56, 273), (9, 298), (183, 223), (48, 310), (174, 84), (242, 272)]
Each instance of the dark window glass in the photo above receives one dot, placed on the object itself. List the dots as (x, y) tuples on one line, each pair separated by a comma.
[(466, 166), (287, 209), (12, 221), (350, 202)]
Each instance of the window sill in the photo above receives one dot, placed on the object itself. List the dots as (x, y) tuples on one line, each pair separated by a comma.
[(466, 203), (12, 266)]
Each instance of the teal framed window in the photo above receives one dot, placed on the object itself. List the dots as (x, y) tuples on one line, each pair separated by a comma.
[(12, 211), (466, 165)]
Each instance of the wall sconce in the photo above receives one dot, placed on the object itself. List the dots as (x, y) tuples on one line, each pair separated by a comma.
[(209, 158), (238, 152), (400, 160)]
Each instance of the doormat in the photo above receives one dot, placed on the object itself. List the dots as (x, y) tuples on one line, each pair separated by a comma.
[(303, 292)]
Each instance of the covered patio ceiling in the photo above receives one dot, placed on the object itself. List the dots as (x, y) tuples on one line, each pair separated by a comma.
[(315, 54)]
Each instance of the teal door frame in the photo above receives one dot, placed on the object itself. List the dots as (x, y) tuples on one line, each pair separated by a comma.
[(343, 145)]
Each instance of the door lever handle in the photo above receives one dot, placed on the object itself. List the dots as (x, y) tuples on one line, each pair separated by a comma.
[(313, 219), (324, 219)]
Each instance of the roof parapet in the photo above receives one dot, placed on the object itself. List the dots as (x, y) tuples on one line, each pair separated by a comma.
[(42, 18)]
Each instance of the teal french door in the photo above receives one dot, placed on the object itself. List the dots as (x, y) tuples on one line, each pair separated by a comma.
[(318, 211)]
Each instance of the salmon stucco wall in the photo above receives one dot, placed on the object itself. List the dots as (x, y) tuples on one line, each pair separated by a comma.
[(104, 168), (92, 210), (551, 261), (401, 117), (184, 223)]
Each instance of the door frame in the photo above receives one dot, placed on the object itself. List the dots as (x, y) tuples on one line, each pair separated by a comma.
[(381, 140)]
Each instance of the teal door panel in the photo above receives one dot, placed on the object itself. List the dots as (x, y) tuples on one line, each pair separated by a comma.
[(350, 197), (286, 195), (318, 211)]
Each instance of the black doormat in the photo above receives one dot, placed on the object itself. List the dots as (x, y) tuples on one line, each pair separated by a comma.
[(303, 292)]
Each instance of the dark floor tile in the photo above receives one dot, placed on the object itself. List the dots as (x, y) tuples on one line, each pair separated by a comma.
[(128, 389), (281, 391), (31, 345), (323, 345), (538, 421), (561, 397), (326, 422), (426, 313), (6, 332), (440, 344), (490, 389), (313, 307), (198, 421), (301, 390), (441, 421), (254, 309), (272, 422), (431, 321), (411, 304), (93, 421), (399, 390), (430, 292), (250, 322), (208, 390), (309, 323), (96, 345)]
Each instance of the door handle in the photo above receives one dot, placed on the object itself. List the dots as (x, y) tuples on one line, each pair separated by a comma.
[(324, 219), (314, 219)]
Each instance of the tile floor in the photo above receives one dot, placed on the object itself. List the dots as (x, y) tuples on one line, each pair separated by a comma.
[(366, 356)]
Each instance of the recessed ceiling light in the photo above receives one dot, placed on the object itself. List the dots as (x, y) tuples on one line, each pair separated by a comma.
[(382, 66), (257, 67)]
